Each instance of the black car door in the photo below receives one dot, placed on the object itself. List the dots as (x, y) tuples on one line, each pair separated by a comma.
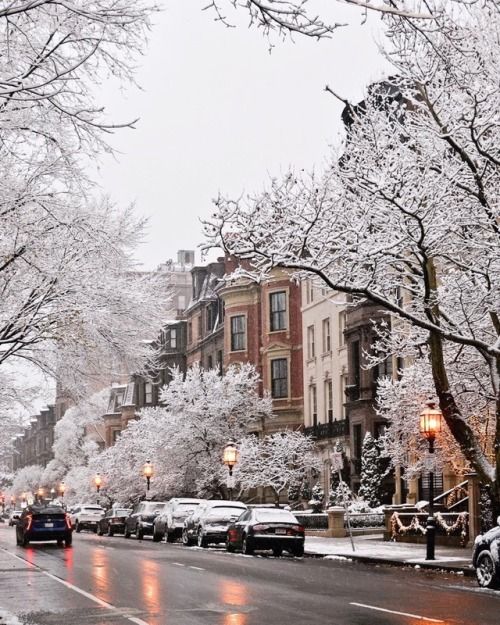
[(241, 523)]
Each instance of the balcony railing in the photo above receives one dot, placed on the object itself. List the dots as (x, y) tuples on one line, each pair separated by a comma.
[(332, 429)]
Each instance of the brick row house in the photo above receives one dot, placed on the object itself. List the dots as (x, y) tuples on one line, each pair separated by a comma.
[(34, 444)]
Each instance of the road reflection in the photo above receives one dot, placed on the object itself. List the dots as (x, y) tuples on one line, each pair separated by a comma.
[(233, 593), (101, 574), (150, 581), (69, 564)]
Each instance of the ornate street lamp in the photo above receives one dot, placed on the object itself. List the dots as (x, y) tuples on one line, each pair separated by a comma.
[(62, 488), (40, 494), (52, 493), (148, 472), (97, 482), (230, 458), (430, 425)]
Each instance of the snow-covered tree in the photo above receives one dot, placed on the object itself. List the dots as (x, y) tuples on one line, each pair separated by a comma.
[(65, 255), (75, 437), (184, 439), (27, 480), (372, 473), (276, 461), (317, 497), (405, 216)]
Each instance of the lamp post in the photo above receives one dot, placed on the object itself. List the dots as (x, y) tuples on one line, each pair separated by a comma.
[(52, 493), (97, 482), (430, 425), (148, 474), (230, 458), (40, 494), (62, 488)]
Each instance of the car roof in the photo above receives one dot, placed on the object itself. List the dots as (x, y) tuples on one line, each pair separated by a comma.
[(227, 504)]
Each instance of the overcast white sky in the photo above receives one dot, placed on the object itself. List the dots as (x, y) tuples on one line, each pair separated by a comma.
[(219, 112)]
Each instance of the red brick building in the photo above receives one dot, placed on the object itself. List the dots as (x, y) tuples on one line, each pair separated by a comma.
[(263, 326)]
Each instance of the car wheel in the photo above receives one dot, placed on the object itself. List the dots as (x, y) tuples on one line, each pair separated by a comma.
[(157, 536), (99, 530), (277, 552), (68, 541), (60, 542), (78, 528), (298, 551), (186, 541), (110, 531), (485, 570), (25, 541), (202, 541), (246, 546), (229, 547), (139, 533)]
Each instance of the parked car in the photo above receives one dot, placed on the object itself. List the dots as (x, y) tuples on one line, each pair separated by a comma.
[(14, 516), (171, 520), (486, 558), (113, 522), (140, 521), (215, 519), (86, 517), (266, 528), (44, 522)]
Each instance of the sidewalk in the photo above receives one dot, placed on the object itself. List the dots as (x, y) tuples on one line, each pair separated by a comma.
[(371, 548)]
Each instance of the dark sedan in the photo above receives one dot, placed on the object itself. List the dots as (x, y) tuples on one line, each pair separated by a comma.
[(44, 523), (486, 558), (113, 522), (140, 521), (266, 528)]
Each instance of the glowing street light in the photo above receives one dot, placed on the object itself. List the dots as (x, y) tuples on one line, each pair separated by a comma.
[(97, 482), (230, 458), (430, 425), (148, 473)]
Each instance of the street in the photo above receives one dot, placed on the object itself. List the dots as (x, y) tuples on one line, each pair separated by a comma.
[(114, 581)]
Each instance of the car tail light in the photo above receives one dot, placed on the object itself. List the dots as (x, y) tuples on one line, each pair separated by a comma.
[(30, 522), (260, 528), (68, 521), (298, 528)]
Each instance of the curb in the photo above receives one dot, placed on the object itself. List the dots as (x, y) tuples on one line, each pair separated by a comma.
[(467, 571)]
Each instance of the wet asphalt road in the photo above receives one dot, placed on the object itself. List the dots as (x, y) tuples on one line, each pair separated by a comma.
[(113, 581)]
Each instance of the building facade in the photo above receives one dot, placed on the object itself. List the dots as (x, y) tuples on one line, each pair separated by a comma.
[(263, 327), (325, 372), (34, 444)]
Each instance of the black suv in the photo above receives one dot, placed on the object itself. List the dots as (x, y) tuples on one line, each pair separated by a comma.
[(140, 522)]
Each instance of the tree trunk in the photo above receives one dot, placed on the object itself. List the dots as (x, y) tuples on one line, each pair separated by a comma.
[(463, 434)]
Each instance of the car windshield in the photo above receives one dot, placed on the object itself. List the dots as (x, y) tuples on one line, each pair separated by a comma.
[(224, 512), (46, 510), (121, 512), (92, 509), (151, 507), (274, 516), (188, 506)]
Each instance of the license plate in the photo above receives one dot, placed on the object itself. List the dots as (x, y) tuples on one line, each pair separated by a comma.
[(49, 525), (280, 530)]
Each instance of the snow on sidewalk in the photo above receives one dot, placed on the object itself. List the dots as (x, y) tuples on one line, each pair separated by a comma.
[(374, 547)]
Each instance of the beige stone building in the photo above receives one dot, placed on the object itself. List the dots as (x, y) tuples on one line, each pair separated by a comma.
[(325, 371)]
